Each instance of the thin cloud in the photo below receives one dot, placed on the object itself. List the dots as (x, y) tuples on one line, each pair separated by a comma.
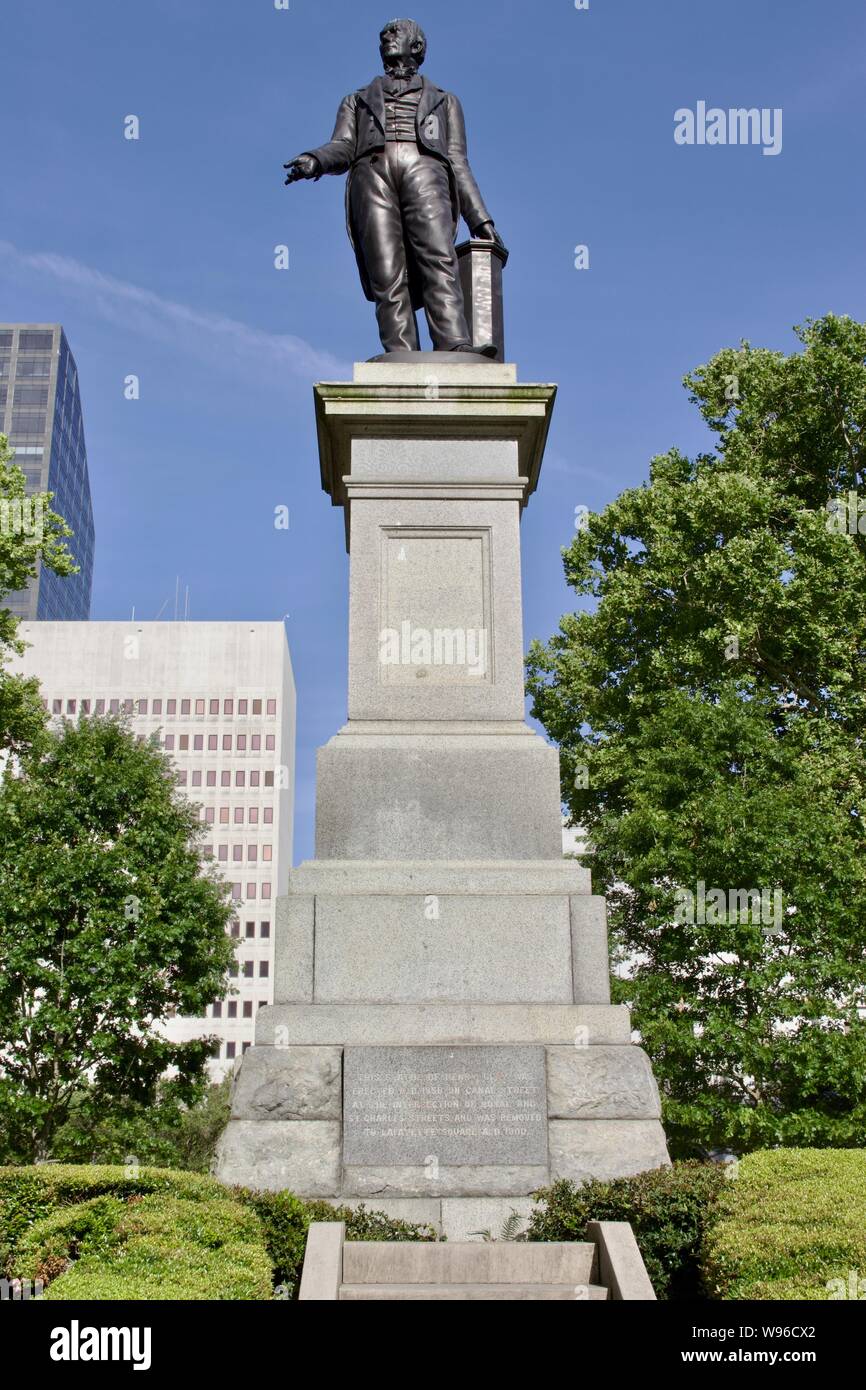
[(198, 332)]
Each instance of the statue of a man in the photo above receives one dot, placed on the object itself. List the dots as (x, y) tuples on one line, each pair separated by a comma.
[(403, 141)]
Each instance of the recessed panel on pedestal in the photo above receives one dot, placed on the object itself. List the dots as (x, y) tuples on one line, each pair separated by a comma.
[(448, 1106), (435, 606)]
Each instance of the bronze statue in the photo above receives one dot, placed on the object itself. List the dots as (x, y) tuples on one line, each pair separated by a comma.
[(403, 141)]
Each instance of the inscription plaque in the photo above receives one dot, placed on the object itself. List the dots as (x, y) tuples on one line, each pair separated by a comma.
[(407, 1106)]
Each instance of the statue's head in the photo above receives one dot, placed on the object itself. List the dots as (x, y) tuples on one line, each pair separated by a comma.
[(402, 42)]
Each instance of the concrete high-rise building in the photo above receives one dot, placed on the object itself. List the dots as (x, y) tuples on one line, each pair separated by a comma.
[(40, 411), (221, 699)]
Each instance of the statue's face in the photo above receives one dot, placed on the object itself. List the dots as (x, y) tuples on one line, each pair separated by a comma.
[(395, 43)]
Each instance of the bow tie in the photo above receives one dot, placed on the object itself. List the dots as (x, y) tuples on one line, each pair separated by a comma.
[(398, 86)]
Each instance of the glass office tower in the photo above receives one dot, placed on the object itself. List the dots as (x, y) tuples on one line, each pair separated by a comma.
[(40, 411)]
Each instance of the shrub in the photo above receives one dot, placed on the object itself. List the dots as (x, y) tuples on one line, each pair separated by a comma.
[(791, 1223), (91, 1215), (286, 1220), (154, 1247), (668, 1208), (31, 1193)]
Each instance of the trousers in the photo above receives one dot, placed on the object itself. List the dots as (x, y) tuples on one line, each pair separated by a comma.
[(400, 198)]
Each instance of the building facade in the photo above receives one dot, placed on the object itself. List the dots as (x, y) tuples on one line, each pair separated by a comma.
[(220, 697), (40, 411)]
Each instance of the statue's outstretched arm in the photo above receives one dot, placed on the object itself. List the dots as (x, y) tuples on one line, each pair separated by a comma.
[(336, 156)]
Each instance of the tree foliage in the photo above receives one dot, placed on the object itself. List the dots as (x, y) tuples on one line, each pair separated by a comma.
[(709, 702), (108, 926)]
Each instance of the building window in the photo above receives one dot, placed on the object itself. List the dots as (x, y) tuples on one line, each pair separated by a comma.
[(255, 778), (71, 707), (256, 743), (269, 779), (248, 1009), (232, 1011), (85, 706), (252, 853), (236, 891), (268, 815), (233, 970), (100, 706), (272, 708), (212, 743), (224, 815), (227, 743), (214, 706), (265, 930), (240, 779), (249, 967), (211, 779), (217, 1010), (169, 742), (250, 929), (181, 779), (114, 706), (242, 706), (127, 706), (251, 890), (198, 743), (257, 706), (242, 743), (223, 854), (156, 708), (270, 742), (267, 853), (196, 779), (183, 743), (264, 969), (142, 707), (237, 854), (209, 815), (56, 706), (239, 815), (184, 707), (229, 707), (245, 1047), (266, 891), (225, 779), (231, 1050), (171, 707), (199, 706), (235, 927), (253, 815)]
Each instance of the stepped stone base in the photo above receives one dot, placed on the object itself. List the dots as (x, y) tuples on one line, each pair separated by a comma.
[(451, 1132)]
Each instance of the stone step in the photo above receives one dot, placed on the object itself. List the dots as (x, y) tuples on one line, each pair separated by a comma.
[(469, 1263), (470, 1293)]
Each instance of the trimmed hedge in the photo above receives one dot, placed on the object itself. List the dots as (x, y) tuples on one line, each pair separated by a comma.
[(29, 1193), (96, 1232), (792, 1221), (156, 1247), (669, 1210)]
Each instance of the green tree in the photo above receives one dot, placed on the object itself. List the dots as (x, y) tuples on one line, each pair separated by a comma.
[(108, 926), (709, 704), (165, 1133), (30, 534)]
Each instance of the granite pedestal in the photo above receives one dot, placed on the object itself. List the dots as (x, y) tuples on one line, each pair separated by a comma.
[(442, 1041)]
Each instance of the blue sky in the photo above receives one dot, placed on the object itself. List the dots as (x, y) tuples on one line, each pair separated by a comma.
[(157, 256)]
